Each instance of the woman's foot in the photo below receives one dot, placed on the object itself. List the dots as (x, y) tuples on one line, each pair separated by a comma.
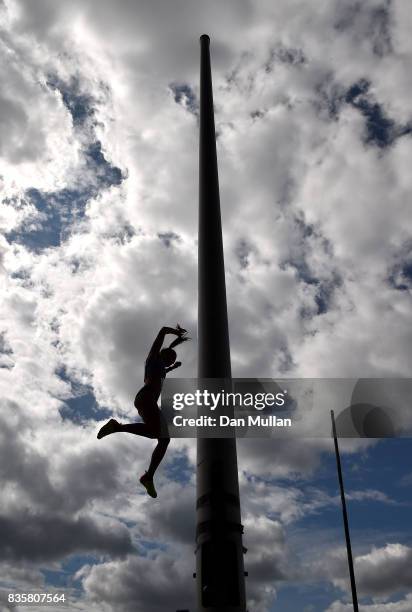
[(147, 482), (110, 427)]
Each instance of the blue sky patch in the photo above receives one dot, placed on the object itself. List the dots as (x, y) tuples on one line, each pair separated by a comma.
[(179, 468), (383, 468), (400, 276), (59, 210), (184, 95), (380, 130), (324, 288), (80, 105), (82, 406), (106, 174)]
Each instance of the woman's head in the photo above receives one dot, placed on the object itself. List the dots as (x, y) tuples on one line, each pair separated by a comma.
[(168, 356)]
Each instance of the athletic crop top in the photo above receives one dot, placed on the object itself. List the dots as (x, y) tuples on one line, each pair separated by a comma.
[(154, 370)]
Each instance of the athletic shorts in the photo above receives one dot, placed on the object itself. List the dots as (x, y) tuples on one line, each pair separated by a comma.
[(146, 404)]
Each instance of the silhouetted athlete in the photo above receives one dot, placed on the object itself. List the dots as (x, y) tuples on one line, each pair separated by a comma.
[(159, 362)]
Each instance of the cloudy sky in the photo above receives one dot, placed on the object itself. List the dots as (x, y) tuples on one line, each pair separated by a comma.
[(99, 179)]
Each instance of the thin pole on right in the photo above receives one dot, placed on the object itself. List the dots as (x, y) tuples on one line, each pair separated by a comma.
[(345, 518)]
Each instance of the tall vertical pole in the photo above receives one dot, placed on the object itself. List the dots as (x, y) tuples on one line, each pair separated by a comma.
[(219, 549), (345, 518)]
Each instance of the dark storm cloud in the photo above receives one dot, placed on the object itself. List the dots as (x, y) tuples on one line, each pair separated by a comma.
[(45, 483), (29, 537), (22, 465), (52, 489), (99, 478), (375, 23), (168, 238), (284, 55), (174, 522), (150, 584)]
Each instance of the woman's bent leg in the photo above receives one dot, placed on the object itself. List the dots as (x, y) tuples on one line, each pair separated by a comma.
[(157, 456)]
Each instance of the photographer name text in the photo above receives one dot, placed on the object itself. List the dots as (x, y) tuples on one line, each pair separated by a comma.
[(225, 421)]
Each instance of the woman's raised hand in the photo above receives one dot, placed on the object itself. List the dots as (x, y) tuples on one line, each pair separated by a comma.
[(177, 331), (180, 331), (170, 330)]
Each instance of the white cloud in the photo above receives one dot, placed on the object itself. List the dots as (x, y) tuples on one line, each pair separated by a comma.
[(385, 570), (403, 605), (380, 574), (37, 148)]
